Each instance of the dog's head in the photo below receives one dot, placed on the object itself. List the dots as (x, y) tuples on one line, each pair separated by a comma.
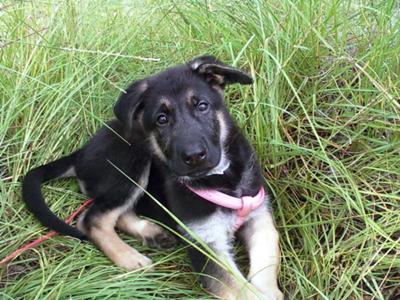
[(182, 113)]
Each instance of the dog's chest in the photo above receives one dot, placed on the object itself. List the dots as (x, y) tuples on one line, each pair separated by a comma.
[(218, 227)]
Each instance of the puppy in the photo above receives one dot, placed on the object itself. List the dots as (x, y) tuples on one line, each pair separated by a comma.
[(174, 137)]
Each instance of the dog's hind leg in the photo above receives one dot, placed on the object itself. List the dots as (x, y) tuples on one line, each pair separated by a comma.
[(150, 233), (99, 226), (262, 242)]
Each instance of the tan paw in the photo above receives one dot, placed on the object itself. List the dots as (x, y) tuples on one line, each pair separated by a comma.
[(133, 261)]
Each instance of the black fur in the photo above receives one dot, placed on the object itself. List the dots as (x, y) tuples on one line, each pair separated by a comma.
[(183, 151), (33, 197)]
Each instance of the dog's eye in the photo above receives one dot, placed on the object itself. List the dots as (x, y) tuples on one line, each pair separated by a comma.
[(202, 106), (162, 119)]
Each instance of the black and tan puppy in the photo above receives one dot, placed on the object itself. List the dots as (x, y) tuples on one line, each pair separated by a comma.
[(173, 135)]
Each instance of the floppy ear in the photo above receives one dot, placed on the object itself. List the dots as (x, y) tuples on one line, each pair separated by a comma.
[(217, 73), (129, 103)]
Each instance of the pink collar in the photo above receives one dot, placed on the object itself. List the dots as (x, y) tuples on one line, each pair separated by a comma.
[(243, 205)]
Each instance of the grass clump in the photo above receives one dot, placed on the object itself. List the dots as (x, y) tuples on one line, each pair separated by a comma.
[(323, 115)]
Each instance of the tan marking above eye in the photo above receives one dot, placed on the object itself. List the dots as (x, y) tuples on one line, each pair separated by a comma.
[(189, 96), (165, 102)]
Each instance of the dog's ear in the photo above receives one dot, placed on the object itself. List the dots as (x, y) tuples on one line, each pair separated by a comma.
[(130, 103), (217, 73)]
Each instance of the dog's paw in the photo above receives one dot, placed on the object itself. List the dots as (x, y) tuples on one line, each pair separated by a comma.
[(134, 261), (161, 240)]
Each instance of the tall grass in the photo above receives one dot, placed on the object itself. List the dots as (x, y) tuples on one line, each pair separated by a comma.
[(323, 115)]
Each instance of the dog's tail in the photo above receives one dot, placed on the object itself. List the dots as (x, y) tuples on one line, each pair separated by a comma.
[(33, 198)]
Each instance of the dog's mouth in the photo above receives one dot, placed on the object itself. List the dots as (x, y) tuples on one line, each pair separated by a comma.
[(218, 169), (198, 174), (195, 174)]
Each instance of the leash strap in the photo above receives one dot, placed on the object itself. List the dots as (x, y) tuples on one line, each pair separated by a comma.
[(36, 242)]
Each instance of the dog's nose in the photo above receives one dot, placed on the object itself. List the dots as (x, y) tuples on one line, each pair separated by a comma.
[(194, 156)]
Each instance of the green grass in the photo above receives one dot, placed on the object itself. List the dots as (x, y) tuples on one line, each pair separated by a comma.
[(323, 115)]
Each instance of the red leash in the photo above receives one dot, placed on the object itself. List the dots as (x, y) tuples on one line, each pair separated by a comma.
[(32, 244)]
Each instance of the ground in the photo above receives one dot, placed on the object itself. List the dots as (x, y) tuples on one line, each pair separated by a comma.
[(323, 116)]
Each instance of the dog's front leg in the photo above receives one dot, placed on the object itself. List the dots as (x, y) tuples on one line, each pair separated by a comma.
[(262, 242), (223, 279)]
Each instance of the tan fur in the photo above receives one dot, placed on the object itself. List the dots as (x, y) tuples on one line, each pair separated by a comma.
[(189, 96), (102, 233), (219, 89), (165, 101), (262, 241), (217, 79), (143, 87), (130, 223), (232, 285), (156, 147)]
